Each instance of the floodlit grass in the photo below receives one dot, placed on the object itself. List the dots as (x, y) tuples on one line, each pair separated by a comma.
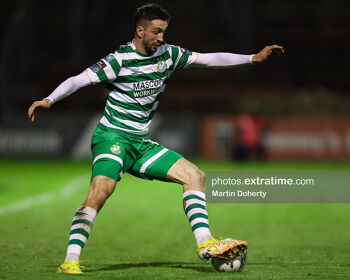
[(142, 232)]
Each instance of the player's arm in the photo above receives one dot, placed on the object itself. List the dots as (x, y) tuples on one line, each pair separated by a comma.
[(104, 70), (229, 60), (65, 89)]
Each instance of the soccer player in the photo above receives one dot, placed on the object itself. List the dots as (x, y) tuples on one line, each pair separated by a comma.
[(135, 77)]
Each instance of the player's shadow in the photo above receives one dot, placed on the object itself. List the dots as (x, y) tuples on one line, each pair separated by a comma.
[(178, 265)]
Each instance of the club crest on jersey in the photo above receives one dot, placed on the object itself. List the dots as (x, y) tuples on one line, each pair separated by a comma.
[(115, 149), (161, 65)]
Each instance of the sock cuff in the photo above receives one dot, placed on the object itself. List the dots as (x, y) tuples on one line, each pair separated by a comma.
[(193, 192), (88, 210)]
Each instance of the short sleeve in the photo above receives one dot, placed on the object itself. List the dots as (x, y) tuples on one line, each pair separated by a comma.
[(106, 69), (182, 57)]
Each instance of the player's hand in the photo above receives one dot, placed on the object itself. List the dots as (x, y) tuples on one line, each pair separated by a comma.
[(266, 52), (45, 103)]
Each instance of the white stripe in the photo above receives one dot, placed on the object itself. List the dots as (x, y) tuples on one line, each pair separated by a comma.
[(121, 97), (78, 236), (195, 211), (85, 217), (195, 201), (109, 71), (65, 192), (105, 122), (148, 99), (118, 59), (136, 125), (149, 140), (152, 159), (170, 49), (109, 156), (199, 220), (82, 226), (139, 114), (132, 55)]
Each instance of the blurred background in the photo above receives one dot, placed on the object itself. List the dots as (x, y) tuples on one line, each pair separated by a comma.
[(292, 107)]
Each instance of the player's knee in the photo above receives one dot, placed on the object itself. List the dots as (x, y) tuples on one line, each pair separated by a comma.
[(101, 188), (196, 179), (96, 200)]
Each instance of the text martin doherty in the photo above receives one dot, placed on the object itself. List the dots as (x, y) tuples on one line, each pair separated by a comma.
[(238, 193)]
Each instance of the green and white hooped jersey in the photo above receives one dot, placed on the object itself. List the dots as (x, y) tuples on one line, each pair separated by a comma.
[(135, 83)]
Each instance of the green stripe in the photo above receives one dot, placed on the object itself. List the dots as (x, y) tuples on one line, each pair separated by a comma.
[(130, 106), (193, 196), (198, 215), (77, 242), (113, 87), (102, 75), (192, 206), (142, 62), (182, 62), (80, 213), (141, 77), (199, 225), (130, 135), (115, 66), (82, 221), (80, 231)]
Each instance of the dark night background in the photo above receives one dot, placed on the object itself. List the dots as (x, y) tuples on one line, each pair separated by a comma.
[(45, 42)]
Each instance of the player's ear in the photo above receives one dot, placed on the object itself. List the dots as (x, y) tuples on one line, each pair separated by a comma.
[(140, 31)]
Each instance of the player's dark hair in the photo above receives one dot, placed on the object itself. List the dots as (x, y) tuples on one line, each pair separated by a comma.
[(150, 12)]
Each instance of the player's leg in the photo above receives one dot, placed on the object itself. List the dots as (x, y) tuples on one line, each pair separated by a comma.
[(160, 163), (101, 188), (109, 164), (193, 181)]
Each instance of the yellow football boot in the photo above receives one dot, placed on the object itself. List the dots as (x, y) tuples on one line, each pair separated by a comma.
[(228, 248), (72, 267)]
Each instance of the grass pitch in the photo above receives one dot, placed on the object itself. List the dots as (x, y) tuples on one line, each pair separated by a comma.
[(142, 232)]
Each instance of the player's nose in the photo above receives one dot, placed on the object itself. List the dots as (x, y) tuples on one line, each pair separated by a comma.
[(160, 37)]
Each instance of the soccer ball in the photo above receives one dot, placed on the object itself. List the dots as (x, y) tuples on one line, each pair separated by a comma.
[(230, 265), (227, 265)]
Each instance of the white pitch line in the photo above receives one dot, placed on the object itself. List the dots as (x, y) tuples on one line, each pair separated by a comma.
[(43, 198)]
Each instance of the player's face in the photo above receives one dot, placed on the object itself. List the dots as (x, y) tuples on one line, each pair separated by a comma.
[(154, 34)]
